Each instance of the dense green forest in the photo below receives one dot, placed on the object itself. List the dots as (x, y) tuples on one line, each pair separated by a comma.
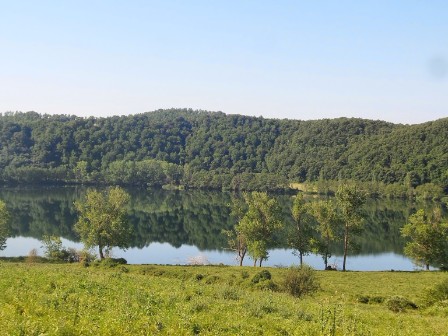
[(203, 149)]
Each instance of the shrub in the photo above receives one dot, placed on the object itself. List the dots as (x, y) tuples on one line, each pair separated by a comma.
[(120, 261), (32, 256), (267, 285), (261, 276), (244, 274), (437, 294), (369, 299), (363, 299), (230, 293), (53, 248), (86, 257), (212, 279), (300, 281), (399, 304), (112, 262)]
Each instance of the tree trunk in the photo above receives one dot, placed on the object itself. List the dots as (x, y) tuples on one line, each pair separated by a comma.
[(427, 267), (242, 254), (301, 258), (100, 249), (325, 260), (345, 247), (255, 262), (261, 260)]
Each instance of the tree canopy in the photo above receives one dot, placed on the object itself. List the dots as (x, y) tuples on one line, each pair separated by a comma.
[(259, 223), (102, 220), (350, 200), (4, 231), (428, 234), (214, 150)]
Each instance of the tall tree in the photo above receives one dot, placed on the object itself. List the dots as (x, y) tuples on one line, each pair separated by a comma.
[(102, 220), (235, 237), (350, 200), (429, 239), (262, 219), (301, 234), (328, 224), (4, 231)]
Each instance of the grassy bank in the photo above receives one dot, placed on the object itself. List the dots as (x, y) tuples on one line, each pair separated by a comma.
[(52, 299)]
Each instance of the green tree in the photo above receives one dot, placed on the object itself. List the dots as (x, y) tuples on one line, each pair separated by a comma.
[(350, 200), (301, 234), (102, 220), (429, 239), (328, 222), (261, 220), (54, 250), (235, 238), (4, 231)]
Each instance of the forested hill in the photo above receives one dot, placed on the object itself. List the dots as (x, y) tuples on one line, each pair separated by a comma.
[(212, 149)]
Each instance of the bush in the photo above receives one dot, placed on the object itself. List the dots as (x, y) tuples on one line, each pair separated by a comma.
[(300, 281), (32, 256), (230, 293), (112, 262), (86, 257), (244, 274), (369, 299), (261, 276), (437, 294), (53, 248), (212, 279), (267, 285), (399, 304)]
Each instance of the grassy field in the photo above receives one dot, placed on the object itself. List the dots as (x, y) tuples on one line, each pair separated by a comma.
[(68, 299)]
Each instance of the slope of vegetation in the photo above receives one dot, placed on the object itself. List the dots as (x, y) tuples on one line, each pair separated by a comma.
[(210, 300), (215, 150)]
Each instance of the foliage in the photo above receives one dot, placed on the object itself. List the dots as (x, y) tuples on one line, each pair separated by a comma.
[(428, 236), (350, 199), (32, 256), (300, 281), (301, 234), (54, 250), (112, 262), (261, 276), (4, 230), (102, 219), (437, 293), (213, 150), (261, 220), (235, 237), (328, 222), (399, 304)]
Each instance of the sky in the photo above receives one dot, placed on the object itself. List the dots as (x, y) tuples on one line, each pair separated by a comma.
[(385, 60)]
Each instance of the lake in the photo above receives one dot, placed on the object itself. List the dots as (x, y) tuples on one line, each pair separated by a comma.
[(182, 227)]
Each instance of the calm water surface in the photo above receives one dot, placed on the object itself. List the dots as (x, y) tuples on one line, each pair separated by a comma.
[(180, 227)]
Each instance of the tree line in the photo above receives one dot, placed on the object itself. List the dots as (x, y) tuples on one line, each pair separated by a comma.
[(194, 217), (103, 222), (200, 149)]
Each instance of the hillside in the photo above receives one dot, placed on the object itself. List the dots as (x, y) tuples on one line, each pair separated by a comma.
[(215, 150)]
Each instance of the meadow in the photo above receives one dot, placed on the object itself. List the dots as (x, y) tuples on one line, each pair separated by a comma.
[(69, 299)]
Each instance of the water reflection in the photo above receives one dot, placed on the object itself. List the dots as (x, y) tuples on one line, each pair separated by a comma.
[(171, 226)]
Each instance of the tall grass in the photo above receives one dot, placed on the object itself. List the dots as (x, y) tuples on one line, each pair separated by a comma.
[(207, 300)]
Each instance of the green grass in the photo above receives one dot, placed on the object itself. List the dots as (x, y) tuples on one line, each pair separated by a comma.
[(68, 299)]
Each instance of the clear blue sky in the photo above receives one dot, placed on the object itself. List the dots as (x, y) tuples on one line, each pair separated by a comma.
[(377, 59)]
